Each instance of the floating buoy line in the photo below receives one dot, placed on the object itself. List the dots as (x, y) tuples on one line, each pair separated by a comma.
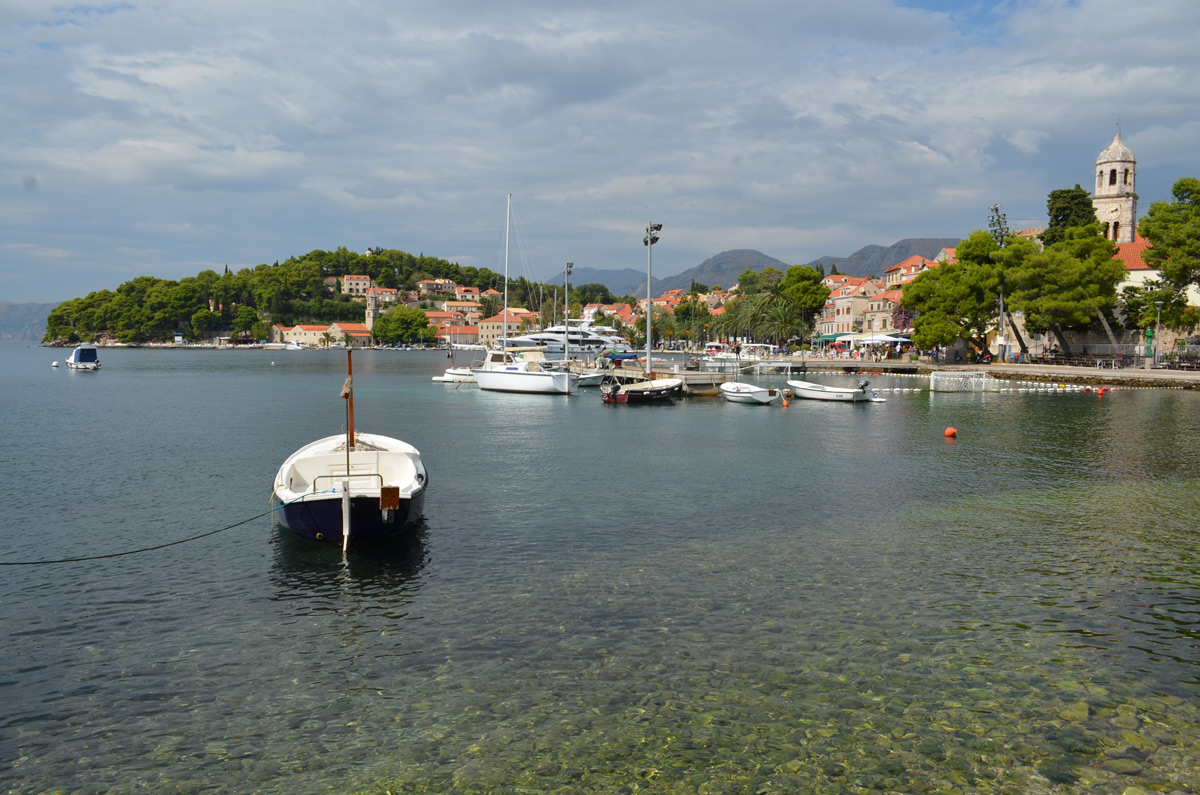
[(147, 549)]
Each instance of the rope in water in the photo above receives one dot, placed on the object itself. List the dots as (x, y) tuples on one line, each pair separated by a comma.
[(153, 548)]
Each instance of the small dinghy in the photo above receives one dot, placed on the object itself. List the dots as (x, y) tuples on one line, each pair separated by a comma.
[(357, 486), (738, 392)]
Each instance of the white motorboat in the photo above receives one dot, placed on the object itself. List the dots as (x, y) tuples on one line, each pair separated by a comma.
[(84, 357), (358, 486), (505, 371), (811, 391), (456, 375), (738, 392)]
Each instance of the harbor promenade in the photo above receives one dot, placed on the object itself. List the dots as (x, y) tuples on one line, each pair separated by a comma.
[(1050, 373)]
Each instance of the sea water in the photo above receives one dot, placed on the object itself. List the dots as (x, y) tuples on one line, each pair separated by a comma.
[(692, 597)]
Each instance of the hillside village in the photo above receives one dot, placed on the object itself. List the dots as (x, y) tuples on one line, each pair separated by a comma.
[(858, 306)]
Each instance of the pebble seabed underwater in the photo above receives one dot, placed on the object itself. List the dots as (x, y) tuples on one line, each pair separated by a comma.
[(863, 736)]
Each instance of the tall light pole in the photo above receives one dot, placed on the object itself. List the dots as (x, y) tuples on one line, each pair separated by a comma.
[(567, 312), (648, 241), (1157, 327)]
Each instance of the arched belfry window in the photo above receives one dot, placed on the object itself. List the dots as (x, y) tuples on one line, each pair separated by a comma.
[(1107, 231), (1116, 230), (1112, 177), (1127, 177)]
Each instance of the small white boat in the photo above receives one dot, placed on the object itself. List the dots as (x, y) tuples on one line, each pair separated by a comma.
[(738, 392), (84, 357), (456, 375), (841, 394), (358, 486)]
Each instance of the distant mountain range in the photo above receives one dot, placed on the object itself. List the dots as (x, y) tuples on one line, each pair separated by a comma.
[(724, 269), (23, 322)]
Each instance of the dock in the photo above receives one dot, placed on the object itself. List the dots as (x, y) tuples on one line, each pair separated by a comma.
[(702, 382)]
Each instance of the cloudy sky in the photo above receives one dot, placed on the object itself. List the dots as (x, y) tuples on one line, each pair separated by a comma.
[(163, 138)]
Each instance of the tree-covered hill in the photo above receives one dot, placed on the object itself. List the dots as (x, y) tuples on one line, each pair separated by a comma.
[(248, 301)]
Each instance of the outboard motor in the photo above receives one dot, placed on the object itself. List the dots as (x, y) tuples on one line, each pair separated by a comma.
[(863, 384)]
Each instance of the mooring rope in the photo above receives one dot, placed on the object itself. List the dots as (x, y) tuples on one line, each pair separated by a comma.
[(157, 546)]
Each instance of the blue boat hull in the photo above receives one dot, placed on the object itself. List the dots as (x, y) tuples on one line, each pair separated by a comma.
[(321, 519)]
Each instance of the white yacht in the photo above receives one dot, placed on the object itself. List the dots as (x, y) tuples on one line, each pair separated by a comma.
[(582, 336)]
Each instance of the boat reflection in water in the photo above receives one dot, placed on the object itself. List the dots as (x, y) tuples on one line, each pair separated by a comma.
[(319, 577)]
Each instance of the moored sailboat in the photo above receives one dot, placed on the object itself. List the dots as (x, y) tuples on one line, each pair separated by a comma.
[(503, 371)]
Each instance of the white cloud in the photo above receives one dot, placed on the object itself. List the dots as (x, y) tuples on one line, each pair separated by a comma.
[(232, 132)]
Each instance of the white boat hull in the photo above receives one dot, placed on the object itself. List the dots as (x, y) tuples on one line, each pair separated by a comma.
[(837, 394), (456, 375), (737, 392), (527, 381)]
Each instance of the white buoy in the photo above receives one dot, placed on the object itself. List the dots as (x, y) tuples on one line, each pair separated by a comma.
[(54, 364)]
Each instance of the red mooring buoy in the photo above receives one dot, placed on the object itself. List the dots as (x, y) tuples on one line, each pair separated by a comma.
[(951, 433)]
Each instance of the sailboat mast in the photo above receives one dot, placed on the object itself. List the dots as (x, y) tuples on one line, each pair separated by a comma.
[(504, 314), (348, 395)]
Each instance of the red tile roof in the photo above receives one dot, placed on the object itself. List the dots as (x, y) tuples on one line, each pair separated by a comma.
[(1130, 254)]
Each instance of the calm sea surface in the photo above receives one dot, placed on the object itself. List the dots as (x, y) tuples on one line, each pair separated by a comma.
[(693, 598)]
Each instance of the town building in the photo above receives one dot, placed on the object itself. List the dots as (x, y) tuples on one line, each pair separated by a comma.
[(355, 285)]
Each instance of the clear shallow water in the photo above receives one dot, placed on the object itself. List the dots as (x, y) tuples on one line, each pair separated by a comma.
[(693, 598)]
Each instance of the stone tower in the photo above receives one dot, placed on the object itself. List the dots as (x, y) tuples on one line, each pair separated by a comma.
[(1115, 198), (372, 310)]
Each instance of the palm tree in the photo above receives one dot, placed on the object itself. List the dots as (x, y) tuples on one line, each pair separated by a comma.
[(326, 338), (782, 321)]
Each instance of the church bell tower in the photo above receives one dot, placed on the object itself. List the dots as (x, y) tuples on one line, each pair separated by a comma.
[(1115, 198), (372, 310)]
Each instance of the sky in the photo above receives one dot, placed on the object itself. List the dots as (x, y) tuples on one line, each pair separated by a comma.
[(164, 138)]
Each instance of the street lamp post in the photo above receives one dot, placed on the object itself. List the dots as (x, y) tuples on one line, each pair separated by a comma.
[(1157, 327), (648, 241), (567, 312)]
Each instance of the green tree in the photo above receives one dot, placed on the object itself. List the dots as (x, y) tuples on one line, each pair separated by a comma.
[(244, 319), (957, 300), (592, 293), (400, 324), (1067, 208), (204, 322), (749, 282), (802, 286), (1173, 229), (1068, 283), (691, 313)]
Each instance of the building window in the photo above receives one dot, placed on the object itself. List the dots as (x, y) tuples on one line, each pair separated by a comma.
[(1112, 177), (1127, 176), (1116, 229)]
